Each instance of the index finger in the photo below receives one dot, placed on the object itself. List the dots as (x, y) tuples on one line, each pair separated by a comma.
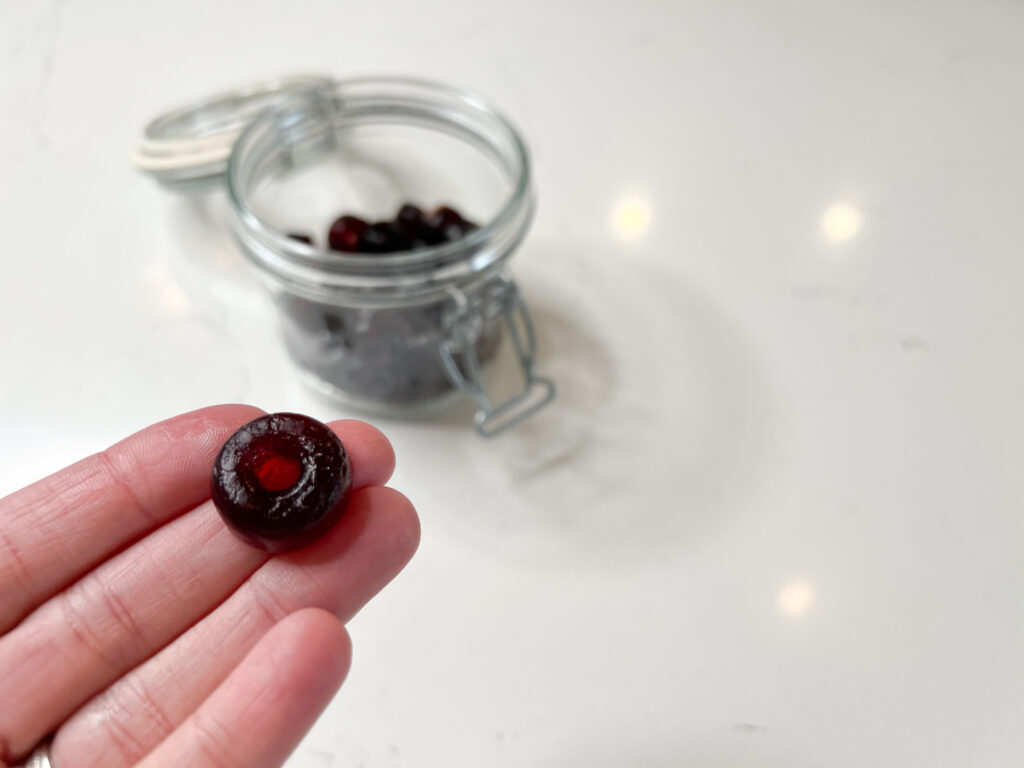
[(56, 529)]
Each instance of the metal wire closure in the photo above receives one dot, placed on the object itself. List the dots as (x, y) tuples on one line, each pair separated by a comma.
[(462, 326)]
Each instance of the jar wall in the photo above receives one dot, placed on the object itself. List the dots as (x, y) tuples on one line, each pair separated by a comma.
[(379, 357)]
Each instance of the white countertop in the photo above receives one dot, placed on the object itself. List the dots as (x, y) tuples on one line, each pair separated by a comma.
[(775, 515)]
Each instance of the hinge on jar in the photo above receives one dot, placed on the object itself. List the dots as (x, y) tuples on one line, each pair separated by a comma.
[(462, 327)]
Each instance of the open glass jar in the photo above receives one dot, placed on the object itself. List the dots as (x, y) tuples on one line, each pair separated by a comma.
[(394, 332)]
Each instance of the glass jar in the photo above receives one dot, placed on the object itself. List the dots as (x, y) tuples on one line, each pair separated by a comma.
[(396, 332)]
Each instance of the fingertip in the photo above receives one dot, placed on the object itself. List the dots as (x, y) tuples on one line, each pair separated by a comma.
[(318, 633), (376, 537), (259, 714), (398, 515), (314, 649), (317, 621), (370, 451)]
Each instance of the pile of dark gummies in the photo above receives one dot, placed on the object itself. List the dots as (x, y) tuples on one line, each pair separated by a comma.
[(410, 230), (386, 354)]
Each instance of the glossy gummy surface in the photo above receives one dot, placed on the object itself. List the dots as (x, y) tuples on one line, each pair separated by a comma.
[(410, 229), (281, 481), (346, 233)]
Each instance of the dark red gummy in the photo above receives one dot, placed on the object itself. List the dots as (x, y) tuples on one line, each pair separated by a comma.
[(449, 223), (413, 221), (346, 233), (384, 237), (463, 228), (431, 236), (301, 237), (444, 217), (409, 230), (399, 238), (411, 217), (281, 481)]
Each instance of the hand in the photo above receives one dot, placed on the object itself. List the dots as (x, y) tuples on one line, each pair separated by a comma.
[(136, 628)]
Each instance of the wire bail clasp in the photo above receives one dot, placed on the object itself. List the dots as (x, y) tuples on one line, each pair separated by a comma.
[(462, 326)]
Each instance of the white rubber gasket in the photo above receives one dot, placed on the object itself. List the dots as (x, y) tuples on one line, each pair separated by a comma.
[(178, 155), (215, 124)]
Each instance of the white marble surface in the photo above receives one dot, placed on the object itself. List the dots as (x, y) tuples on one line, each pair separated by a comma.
[(775, 517)]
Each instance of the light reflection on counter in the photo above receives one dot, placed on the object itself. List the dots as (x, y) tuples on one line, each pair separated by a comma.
[(167, 291), (631, 217), (796, 598), (841, 222)]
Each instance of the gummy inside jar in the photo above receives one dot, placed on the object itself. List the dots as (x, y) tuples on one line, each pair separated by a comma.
[(381, 355), (372, 188), (385, 355)]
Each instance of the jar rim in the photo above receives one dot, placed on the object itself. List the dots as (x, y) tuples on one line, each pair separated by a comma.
[(280, 253)]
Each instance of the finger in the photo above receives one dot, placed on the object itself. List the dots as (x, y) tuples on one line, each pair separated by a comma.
[(58, 528), (258, 715), (370, 452), (338, 573), (131, 606), (84, 638)]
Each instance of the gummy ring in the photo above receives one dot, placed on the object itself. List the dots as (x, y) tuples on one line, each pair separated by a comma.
[(281, 481)]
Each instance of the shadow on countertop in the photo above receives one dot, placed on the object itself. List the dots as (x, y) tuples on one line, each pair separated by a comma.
[(662, 430)]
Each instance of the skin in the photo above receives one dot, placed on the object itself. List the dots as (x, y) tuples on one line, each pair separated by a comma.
[(138, 630)]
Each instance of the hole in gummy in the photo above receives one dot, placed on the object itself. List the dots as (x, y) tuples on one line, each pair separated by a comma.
[(276, 472)]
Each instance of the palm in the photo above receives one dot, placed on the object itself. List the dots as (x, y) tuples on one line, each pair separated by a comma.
[(137, 628)]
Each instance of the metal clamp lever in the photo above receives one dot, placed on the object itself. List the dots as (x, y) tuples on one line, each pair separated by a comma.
[(462, 328)]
